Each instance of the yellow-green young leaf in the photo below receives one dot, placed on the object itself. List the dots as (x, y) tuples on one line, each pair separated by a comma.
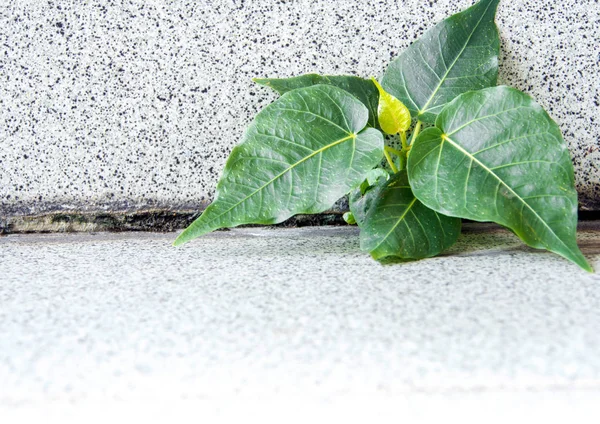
[(496, 155), (393, 116)]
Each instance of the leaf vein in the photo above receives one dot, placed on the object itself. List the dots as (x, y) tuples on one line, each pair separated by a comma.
[(410, 205), (318, 116), (259, 190), (455, 60), (524, 203)]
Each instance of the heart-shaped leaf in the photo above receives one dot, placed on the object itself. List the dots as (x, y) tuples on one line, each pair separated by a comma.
[(393, 116), (457, 55), (496, 155), (301, 154), (394, 223), (363, 89)]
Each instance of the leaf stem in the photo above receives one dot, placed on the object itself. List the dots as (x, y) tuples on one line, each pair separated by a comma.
[(403, 138), (416, 132), (394, 151), (390, 162)]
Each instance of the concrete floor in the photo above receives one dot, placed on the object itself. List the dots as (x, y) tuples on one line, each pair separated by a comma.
[(266, 320)]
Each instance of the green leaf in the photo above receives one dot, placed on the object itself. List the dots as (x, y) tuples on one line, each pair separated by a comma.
[(396, 224), (393, 116), (349, 218), (361, 198), (301, 154), (496, 155), (375, 174), (363, 89), (459, 54)]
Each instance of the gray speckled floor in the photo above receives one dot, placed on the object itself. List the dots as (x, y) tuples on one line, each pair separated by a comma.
[(93, 324)]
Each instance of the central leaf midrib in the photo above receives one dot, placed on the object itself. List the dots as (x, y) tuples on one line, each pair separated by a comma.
[(304, 159), (408, 208), (424, 109), (308, 112), (492, 173)]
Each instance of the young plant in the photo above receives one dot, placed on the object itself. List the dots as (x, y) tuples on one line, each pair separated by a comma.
[(457, 146)]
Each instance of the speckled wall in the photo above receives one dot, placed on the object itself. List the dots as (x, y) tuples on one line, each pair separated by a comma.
[(131, 104)]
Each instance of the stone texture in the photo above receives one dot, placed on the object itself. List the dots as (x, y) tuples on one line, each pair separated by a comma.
[(268, 319), (130, 105)]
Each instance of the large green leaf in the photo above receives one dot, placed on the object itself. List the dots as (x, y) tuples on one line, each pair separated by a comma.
[(301, 154), (363, 89), (394, 223), (457, 55), (496, 155)]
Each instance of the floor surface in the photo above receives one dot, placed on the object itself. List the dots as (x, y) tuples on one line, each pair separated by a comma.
[(271, 319)]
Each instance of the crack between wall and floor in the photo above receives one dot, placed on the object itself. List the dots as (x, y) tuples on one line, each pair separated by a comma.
[(155, 220)]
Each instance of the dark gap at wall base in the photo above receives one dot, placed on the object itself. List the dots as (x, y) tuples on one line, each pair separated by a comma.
[(589, 215), (153, 221)]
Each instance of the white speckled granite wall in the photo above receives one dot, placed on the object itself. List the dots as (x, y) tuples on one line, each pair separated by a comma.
[(130, 104)]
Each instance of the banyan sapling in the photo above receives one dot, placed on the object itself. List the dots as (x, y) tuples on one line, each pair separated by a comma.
[(433, 142)]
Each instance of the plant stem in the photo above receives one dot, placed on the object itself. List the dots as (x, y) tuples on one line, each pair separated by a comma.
[(394, 151), (403, 138), (416, 132), (389, 160)]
